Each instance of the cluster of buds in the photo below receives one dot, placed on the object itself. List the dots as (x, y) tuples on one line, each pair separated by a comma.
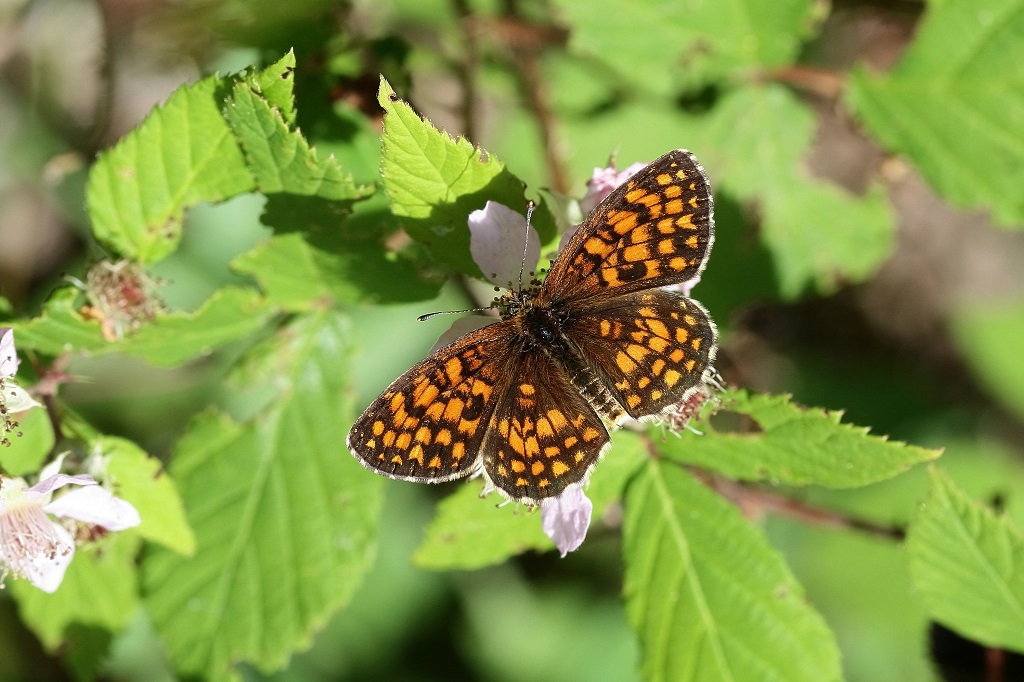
[(121, 297)]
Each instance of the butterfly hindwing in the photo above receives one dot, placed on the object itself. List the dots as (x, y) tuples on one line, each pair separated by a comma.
[(543, 435), (651, 349)]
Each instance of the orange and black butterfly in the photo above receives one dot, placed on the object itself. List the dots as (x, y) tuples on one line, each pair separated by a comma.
[(529, 400)]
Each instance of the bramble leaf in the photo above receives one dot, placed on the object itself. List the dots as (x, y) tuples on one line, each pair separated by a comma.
[(170, 339), (469, 533), (99, 588), (183, 153), (794, 446), (819, 235), (284, 522), (954, 105), (434, 182), (707, 596), (967, 565), (711, 38)]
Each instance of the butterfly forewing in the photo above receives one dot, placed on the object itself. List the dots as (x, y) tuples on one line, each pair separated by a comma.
[(544, 435), (654, 230), (430, 423), (651, 349)]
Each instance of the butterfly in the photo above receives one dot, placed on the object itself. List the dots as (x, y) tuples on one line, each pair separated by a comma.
[(529, 401)]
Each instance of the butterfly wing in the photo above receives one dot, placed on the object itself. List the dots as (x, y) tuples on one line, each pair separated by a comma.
[(650, 349), (543, 435), (654, 230), (430, 423)]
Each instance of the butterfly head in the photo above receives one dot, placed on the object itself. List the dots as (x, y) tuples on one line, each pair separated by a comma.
[(514, 302)]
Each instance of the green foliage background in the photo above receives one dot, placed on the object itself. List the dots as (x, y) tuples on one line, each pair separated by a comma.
[(299, 212)]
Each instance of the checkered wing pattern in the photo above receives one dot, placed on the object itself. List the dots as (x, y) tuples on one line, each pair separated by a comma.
[(651, 349), (544, 436), (654, 230), (528, 400), (430, 423)]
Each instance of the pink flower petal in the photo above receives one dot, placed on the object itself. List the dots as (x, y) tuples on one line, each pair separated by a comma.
[(603, 181), (97, 506), (566, 518), (57, 481), (496, 235)]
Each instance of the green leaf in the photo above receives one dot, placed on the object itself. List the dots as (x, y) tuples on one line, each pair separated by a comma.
[(284, 518), (276, 84), (710, 38), (794, 446), (281, 159), (99, 588), (183, 153), (171, 339), (983, 333), (967, 565), (466, 534), (955, 104), (228, 315), (142, 481), (434, 182), (31, 442), (819, 235), (296, 274), (469, 532), (707, 596)]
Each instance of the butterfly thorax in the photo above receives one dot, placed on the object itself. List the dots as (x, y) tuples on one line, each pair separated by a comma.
[(541, 328)]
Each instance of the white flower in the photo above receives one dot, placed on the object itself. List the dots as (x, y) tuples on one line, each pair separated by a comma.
[(34, 546), (496, 242), (566, 518), (13, 399)]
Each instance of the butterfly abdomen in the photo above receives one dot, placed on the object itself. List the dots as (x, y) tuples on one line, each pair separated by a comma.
[(543, 329)]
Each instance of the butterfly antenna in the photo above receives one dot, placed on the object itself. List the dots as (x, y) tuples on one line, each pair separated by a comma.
[(530, 205), (421, 318)]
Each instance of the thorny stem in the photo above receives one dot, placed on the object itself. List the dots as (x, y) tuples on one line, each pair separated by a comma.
[(754, 500), (50, 379)]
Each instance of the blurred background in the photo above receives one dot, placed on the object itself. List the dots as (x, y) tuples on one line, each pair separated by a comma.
[(925, 347)]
